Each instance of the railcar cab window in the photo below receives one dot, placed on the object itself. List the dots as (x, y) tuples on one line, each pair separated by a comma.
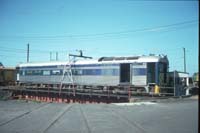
[(162, 73), (21, 72)]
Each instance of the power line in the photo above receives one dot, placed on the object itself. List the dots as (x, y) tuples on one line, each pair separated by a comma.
[(4, 49), (35, 51), (19, 50), (107, 34), (16, 50), (10, 51)]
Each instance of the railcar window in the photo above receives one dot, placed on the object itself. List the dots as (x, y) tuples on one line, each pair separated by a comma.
[(161, 67), (107, 72), (79, 72), (21, 72), (97, 71), (115, 72), (55, 72), (74, 72), (92, 72), (139, 71), (28, 72), (45, 72), (36, 72), (67, 73)]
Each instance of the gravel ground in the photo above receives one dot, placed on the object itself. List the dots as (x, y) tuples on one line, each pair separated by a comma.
[(180, 116)]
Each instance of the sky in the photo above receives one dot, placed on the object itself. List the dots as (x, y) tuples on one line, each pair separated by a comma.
[(99, 28)]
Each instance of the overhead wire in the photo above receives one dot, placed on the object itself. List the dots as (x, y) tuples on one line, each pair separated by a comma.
[(107, 34), (165, 28)]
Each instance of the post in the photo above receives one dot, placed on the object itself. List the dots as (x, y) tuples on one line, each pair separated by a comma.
[(50, 56), (174, 83), (27, 52), (129, 93), (184, 60)]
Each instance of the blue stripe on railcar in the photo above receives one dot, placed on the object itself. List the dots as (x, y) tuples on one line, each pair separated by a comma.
[(56, 70), (92, 72), (111, 72), (103, 72)]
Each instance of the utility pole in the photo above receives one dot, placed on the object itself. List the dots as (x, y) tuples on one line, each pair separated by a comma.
[(184, 60), (56, 56), (50, 56), (174, 83), (27, 52)]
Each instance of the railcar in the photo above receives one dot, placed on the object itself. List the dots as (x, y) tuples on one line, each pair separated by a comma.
[(136, 71), (7, 76)]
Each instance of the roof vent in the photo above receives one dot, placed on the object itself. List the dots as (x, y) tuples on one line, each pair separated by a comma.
[(118, 58)]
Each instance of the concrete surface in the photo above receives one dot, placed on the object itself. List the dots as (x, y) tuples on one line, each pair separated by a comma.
[(180, 116)]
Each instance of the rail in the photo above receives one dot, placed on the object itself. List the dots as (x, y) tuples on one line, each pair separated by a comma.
[(89, 92)]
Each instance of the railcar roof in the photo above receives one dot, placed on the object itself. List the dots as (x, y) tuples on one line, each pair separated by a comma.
[(103, 60)]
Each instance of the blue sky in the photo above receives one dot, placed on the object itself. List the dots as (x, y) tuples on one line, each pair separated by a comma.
[(99, 28)]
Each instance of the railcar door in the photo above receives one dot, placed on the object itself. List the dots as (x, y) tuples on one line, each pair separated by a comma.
[(151, 73), (125, 73)]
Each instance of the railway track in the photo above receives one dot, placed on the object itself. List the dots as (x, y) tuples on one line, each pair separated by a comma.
[(85, 120), (57, 117), (24, 114), (124, 119)]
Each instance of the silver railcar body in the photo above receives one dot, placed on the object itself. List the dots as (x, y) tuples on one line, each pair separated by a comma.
[(106, 71)]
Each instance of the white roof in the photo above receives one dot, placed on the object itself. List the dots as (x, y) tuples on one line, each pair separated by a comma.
[(42, 64), (92, 61)]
